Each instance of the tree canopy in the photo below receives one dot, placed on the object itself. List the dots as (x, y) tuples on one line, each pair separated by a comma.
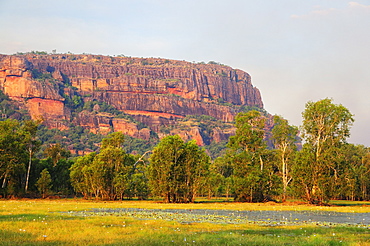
[(326, 126), (177, 169)]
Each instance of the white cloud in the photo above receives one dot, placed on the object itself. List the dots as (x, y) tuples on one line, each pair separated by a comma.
[(358, 5), (320, 11)]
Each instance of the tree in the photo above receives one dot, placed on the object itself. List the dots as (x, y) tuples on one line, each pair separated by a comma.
[(138, 179), (58, 163), (32, 143), (363, 170), (253, 172), (13, 156), (44, 183), (196, 167), (106, 165), (60, 174), (56, 152), (325, 129), (177, 169), (81, 175), (284, 137), (104, 175), (217, 180), (249, 132), (354, 169), (222, 169), (114, 140)]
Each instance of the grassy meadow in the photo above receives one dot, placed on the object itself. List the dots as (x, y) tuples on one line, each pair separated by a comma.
[(52, 222)]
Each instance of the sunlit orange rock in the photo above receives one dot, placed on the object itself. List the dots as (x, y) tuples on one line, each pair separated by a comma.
[(157, 92)]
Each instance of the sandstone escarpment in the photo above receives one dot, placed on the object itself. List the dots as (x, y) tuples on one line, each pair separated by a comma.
[(156, 92), (204, 82), (167, 106), (40, 97), (17, 82)]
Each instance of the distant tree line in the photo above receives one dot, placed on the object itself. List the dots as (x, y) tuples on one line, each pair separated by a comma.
[(325, 167)]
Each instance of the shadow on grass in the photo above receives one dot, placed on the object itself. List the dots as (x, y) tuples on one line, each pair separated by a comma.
[(214, 201), (268, 236), (35, 217), (343, 203), (22, 238), (188, 236)]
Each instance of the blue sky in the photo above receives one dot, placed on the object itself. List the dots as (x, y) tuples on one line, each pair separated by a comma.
[(295, 51)]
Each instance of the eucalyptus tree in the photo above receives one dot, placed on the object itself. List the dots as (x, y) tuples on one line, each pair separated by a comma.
[(58, 163), (249, 132), (219, 180), (105, 174), (44, 183), (196, 166), (13, 156), (363, 166), (138, 181), (56, 153), (216, 180), (354, 175), (326, 126), (252, 163), (284, 138), (106, 166), (177, 169), (32, 144), (81, 175), (114, 140)]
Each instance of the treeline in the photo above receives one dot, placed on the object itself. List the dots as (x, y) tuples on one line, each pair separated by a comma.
[(20, 170), (325, 167)]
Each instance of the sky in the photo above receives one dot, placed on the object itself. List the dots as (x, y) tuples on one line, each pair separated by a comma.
[(296, 51)]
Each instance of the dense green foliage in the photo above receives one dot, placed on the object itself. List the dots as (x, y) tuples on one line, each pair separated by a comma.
[(13, 156), (253, 164), (326, 168), (318, 168), (44, 183), (284, 138), (177, 169), (215, 150), (19, 170), (75, 137), (109, 174)]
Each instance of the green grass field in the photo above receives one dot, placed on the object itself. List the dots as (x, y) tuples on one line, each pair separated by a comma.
[(50, 222)]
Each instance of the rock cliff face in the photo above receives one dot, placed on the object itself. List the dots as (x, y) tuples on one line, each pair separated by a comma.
[(41, 98), (153, 91)]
